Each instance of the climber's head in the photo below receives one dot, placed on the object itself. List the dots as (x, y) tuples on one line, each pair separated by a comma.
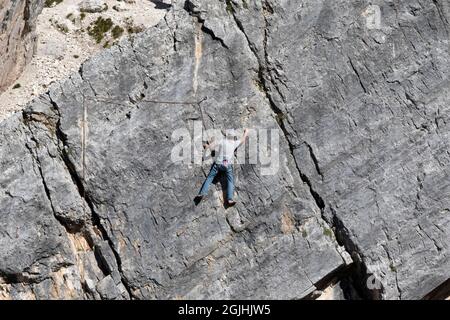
[(229, 134)]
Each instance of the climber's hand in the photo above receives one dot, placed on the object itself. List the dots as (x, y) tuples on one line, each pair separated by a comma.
[(244, 136), (209, 145)]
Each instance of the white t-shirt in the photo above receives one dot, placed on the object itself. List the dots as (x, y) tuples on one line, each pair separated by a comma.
[(225, 150)]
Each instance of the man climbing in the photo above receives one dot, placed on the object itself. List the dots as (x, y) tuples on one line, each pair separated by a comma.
[(224, 149)]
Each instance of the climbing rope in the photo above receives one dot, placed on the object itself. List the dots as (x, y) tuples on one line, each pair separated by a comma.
[(104, 99)]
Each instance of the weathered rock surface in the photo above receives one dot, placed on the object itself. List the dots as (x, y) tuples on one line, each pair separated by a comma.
[(92, 6), (367, 120), (93, 207), (17, 38)]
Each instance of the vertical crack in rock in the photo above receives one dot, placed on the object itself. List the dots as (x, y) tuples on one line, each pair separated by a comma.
[(71, 230), (359, 271), (279, 116), (262, 66), (79, 183), (341, 234), (262, 70), (26, 17), (357, 75), (191, 10), (314, 159), (442, 16)]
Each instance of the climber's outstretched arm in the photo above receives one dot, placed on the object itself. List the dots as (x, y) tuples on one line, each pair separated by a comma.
[(209, 145), (244, 136)]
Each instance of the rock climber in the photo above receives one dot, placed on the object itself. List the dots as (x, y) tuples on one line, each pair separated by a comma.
[(224, 154)]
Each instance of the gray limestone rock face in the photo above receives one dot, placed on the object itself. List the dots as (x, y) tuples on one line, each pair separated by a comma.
[(366, 117), (358, 94), (168, 247), (17, 37)]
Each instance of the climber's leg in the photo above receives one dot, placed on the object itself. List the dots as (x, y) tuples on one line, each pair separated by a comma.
[(205, 187), (230, 185)]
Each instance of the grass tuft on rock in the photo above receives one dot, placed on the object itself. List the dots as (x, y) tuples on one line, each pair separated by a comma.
[(392, 267), (117, 31), (327, 232), (230, 8), (99, 27)]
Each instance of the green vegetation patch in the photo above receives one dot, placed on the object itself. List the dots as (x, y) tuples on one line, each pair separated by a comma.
[(280, 117), (133, 29), (99, 27), (230, 8), (327, 232), (117, 31), (392, 267)]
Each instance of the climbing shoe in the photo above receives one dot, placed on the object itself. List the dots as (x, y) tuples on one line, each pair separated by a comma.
[(198, 199)]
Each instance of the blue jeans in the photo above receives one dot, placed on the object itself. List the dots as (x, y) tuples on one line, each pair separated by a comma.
[(213, 173)]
